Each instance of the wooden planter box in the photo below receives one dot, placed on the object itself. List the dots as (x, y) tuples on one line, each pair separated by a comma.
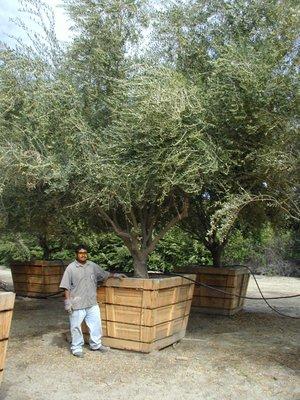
[(7, 300), (37, 278), (144, 314), (233, 280)]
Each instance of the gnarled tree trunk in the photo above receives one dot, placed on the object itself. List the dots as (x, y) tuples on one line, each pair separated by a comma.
[(140, 265)]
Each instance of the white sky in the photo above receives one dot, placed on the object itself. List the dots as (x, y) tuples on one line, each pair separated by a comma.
[(9, 10)]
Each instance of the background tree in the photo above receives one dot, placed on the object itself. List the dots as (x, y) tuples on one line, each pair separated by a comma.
[(244, 56)]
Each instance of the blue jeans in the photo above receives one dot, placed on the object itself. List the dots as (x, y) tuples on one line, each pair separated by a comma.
[(91, 316)]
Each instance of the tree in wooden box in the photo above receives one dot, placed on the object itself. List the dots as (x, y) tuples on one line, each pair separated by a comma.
[(245, 185), (145, 314), (7, 300), (144, 193), (41, 217), (211, 221), (119, 141)]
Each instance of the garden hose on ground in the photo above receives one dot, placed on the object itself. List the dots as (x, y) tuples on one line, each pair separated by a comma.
[(243, 297)]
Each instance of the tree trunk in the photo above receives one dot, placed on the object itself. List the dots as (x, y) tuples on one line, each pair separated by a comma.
[(44, 245), (140, 266), (216, 253)]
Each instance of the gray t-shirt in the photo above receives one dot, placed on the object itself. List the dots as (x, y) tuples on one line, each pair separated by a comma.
[(81, 280)]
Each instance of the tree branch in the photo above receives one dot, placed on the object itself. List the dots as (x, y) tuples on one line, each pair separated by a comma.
[(183, 214)]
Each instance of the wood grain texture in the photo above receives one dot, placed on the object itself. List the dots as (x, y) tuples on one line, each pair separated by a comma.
[(234, 281), (6, 311), (37, 278), (144, 314)]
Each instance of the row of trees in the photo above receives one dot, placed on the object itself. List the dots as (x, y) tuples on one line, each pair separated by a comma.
[(198, 127)]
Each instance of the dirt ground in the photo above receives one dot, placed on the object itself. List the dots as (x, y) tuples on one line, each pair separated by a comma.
[(251, 356)]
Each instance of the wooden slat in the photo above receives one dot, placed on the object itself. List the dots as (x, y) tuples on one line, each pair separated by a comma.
[(6, 307), (3, 348), (36, 270), (201, 291), (217, 280), (5, 322), (144, 334), (149, 284), (144, 298), (143, 347), (7, 300), (216, 311), (39, 263), (37, 279), (215, 302), (196, 269), (39, 295), (145, 317)]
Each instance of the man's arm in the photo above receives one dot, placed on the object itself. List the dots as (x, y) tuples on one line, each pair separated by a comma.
[(66, 284), (116, 275), (103, 275), (68, 302)]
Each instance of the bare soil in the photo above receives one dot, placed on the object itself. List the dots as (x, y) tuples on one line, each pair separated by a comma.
[(251, 356)]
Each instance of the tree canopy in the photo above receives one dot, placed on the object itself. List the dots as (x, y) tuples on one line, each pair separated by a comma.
[(209, 113)]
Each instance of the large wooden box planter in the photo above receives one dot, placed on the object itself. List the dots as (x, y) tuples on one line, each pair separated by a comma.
[(233, 280), (37, 278), (6, 310), (145, 314)]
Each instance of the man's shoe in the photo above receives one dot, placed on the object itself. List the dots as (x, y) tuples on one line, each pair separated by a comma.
[(102, 348), (79, 354)]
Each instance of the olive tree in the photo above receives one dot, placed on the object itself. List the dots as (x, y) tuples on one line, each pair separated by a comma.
[(244, 55), (115, 140), (140, 172)]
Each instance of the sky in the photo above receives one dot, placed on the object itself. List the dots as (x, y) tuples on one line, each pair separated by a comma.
[(9, 10)]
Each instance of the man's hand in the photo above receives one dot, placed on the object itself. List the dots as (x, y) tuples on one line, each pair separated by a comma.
[(68, 306), (120, 276), (3, 285)]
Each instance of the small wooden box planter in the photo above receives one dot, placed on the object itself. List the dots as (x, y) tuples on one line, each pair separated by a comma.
[(37, 278), (233, 280), (7, 300), (145, 314)]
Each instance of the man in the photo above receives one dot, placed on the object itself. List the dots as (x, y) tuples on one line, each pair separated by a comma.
[(80, 283)]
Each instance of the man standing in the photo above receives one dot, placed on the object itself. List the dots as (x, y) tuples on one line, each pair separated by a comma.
[(80, 283)]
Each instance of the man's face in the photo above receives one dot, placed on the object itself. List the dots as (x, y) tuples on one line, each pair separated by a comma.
[(81, 256)]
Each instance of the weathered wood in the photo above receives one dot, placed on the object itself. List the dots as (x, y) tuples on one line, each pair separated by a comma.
[(3, 349), (144, 314), (5, 321), (143, 347), (146, 298), (233, 280), (149, 317), (140, 333), (37, 278), (7, 300), (6, 310), (39, 263)]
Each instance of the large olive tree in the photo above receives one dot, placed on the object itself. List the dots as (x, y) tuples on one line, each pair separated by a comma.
[(244, 55), (119, 142)]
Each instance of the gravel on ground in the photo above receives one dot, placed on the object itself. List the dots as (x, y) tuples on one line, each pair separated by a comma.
[(253, 355)]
